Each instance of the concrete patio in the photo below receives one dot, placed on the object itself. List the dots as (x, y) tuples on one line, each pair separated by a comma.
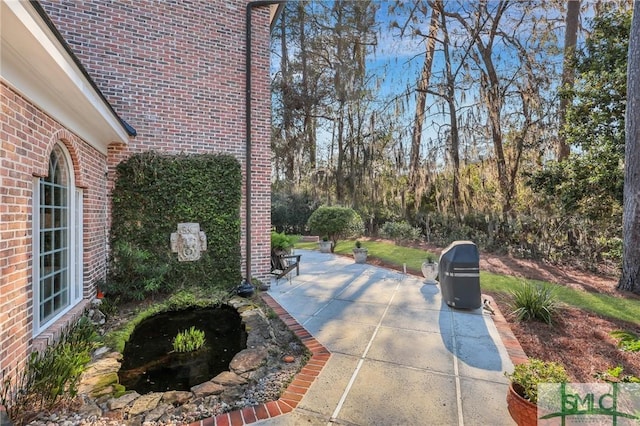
[(399, 354)]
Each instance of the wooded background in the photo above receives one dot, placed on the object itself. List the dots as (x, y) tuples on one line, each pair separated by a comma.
[(510, 130)]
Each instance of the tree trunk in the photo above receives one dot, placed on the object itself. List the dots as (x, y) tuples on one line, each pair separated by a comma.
[(568, 73), (307, 99), (630, 280), (421, 101), (454, 140)]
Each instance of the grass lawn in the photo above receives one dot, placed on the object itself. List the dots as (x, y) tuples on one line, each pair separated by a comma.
[(605, 305)]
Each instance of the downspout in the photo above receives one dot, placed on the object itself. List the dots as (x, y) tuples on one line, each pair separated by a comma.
[(250, 6)]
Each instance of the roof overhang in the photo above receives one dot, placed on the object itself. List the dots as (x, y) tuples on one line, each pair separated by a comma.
[(274, 12), (38, 66)]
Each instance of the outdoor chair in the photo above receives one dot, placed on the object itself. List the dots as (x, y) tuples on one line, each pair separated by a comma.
[(282, 264)]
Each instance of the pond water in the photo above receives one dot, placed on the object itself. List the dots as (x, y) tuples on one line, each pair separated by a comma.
[(150, 365)]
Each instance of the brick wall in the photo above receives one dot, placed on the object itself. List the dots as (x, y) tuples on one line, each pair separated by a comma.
[(175, 70), (28, 135)]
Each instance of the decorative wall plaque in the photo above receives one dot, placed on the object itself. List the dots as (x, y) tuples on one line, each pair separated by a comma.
[(188, 242)]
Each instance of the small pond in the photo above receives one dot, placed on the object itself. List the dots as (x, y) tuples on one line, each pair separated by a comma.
[(150, 365)]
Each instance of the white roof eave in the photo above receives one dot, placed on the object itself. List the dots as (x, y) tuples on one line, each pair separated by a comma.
[(37, 66)]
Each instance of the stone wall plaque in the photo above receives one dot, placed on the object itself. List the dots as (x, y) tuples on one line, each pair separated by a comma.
[(189, 242)]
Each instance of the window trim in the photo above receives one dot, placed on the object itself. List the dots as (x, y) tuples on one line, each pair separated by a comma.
[(75, 248)]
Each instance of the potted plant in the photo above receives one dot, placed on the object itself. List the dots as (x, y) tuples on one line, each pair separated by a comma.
[(325, 245), (430, 268), (522, 396), (360, 253)]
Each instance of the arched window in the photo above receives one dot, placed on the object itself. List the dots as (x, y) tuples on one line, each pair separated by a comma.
[(58, 218)]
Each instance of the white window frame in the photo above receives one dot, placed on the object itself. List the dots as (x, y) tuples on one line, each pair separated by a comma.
[(75, 246)]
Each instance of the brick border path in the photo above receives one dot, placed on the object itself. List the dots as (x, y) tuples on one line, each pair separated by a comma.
[(515, 351)]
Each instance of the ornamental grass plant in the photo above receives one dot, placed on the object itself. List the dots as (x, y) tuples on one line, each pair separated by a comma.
[(534, 302)]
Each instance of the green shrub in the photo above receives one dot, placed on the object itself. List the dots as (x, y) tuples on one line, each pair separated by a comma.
[(50, 375), (400, 232), (189, 340), (336, 222), (282, 241), (528, 375), (290, 211), (534, 302), (153, 193), (628, 341)]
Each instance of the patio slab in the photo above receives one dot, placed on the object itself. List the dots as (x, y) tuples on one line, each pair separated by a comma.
[(399, 354)]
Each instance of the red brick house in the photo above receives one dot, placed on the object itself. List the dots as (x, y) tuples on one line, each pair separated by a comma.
[(84, 85)]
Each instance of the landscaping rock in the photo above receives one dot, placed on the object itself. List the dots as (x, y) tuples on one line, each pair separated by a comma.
[(228, 378), (157, 412), (145, 403), (207, 388), (248, 360), (123, 401), (100, 351), (99, 375), (176, 397), (89, 408)]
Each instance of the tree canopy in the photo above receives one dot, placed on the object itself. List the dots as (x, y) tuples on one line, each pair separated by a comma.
[(457, 118)]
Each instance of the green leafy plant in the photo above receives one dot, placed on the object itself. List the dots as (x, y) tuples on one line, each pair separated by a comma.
[(189, 340), (49, 376), (281, 241), (534, 302), (615, 374), (430, 257), (400, 232), (528, 375), (109, 305), (336, 222), (627, 341), (358, 244)]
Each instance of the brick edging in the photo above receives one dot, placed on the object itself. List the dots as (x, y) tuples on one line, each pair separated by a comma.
[(514, 349), (298, 387)]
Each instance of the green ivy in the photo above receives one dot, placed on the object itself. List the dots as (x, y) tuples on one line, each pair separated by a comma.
[(153, 193)]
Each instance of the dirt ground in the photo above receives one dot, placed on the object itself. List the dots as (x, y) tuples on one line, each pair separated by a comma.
[(577, 339)]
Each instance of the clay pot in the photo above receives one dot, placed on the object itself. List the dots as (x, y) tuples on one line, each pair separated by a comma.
[(522, 411)]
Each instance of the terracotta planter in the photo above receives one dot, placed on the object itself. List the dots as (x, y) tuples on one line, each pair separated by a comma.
[(523, 412), (430, 271), (360, 255)]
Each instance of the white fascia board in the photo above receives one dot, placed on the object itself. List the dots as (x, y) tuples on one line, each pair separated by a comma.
[(35, 64)]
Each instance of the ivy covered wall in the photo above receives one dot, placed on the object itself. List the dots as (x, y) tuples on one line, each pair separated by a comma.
[(153, 193)]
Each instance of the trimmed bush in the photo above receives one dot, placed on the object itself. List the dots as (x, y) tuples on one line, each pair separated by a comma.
[(336, 222)]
